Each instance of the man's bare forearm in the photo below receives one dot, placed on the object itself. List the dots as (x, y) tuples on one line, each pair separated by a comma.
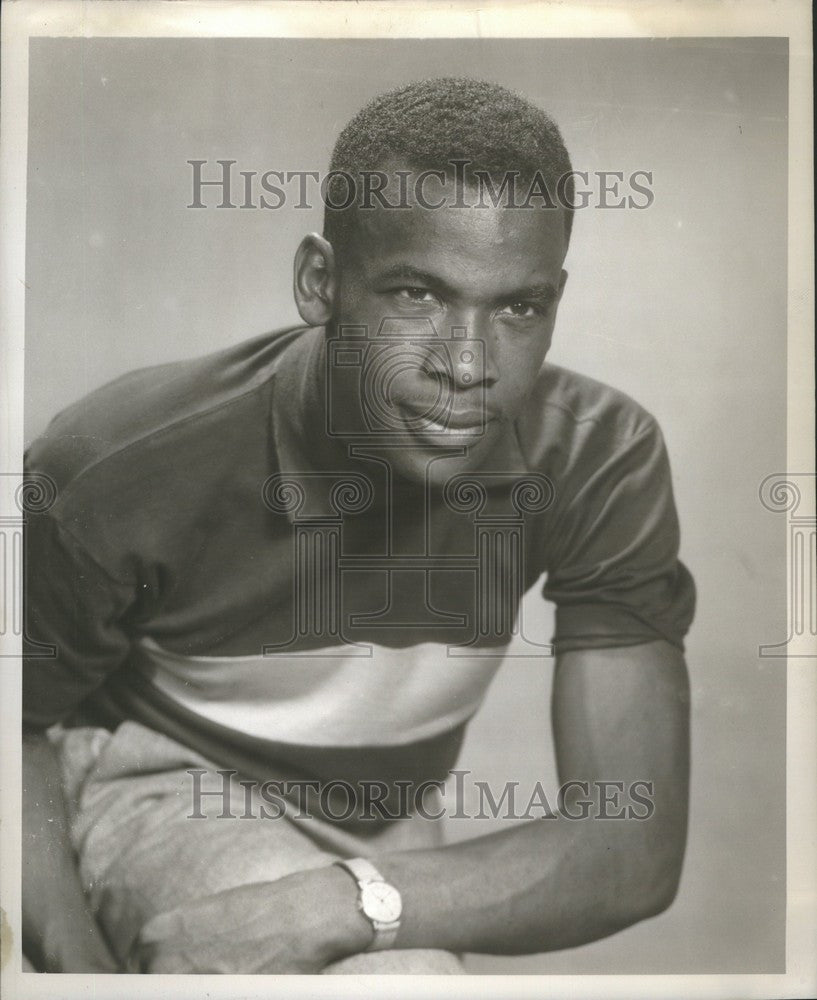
[(545, 885), (529, 889), (59, 931), (618, 715)]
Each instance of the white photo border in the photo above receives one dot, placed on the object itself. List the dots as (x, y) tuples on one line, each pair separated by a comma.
[(25, 19)]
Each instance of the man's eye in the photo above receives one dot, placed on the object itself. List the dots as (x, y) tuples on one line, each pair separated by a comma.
[(422, 295), (521, 310)]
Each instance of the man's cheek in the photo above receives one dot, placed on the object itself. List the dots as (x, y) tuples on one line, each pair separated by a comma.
[(515, 397)]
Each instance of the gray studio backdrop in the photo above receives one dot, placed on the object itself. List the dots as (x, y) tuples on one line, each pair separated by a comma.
[(682, 305)]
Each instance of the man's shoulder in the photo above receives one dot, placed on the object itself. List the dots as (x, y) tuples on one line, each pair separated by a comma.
[(572, 420), (144, 410)]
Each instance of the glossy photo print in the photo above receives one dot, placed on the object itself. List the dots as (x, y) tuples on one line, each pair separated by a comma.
[(408, 563)]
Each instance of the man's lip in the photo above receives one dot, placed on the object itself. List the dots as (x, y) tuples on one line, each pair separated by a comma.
[(457, 418)]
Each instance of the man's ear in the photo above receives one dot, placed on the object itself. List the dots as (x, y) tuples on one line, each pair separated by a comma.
[(315, 280)]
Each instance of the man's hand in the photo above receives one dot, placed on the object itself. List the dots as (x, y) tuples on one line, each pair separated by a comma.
[(297, 924)]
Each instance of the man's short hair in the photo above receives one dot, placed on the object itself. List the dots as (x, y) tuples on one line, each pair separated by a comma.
[(428, 124)]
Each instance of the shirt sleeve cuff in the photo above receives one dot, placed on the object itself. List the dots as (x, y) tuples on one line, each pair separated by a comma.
[(604, 626)]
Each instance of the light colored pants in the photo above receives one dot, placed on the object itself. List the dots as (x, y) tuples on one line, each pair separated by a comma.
[(130, 797)]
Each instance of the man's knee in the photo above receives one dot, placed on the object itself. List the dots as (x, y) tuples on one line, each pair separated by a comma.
[(408, 961)]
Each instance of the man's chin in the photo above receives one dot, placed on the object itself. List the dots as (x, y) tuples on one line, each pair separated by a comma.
[(436, 465)]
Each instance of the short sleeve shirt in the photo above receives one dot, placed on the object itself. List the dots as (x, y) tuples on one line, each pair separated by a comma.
[(215, 568)]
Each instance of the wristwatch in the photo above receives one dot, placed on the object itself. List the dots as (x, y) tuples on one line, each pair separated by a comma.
[(378, 901)]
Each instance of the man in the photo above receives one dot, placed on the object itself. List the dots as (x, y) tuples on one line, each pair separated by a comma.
[(296, 565)]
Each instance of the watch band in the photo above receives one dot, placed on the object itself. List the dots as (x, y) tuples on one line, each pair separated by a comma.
[(364, 872), (361, 870)]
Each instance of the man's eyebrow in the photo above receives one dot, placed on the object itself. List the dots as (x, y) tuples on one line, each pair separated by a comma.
[(406, 272), (546, 291)]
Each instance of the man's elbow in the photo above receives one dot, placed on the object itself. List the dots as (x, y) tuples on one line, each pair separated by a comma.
[(666, 888), (653, 886)]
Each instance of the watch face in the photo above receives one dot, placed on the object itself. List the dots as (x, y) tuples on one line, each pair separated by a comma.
[(381, 902)]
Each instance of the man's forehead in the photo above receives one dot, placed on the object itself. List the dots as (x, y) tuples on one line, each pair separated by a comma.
[(460, 237)]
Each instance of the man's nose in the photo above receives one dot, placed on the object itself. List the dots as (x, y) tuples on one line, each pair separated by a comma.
[(464, 356)]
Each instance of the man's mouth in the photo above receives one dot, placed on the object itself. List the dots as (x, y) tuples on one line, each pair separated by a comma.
[(456, 422)]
